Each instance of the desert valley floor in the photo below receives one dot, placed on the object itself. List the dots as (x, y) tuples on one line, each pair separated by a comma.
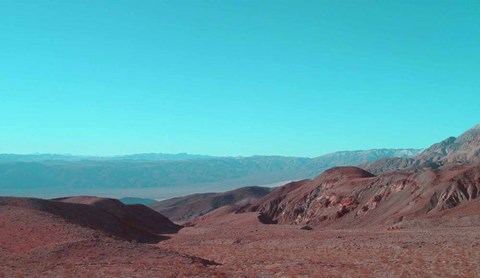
[(236, 246), (281, 250)]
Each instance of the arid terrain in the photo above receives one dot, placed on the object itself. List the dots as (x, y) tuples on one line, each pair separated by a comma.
[(36, 243), (259, 250), (236, 245), (420, 220)]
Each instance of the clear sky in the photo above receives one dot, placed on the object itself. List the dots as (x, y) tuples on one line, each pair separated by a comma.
[(246, 77)]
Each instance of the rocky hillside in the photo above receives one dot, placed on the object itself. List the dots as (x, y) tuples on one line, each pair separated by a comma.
[(351, 197), (462, 150), (443, 180)]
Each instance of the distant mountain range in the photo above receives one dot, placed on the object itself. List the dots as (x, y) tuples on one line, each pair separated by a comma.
[(136, 175), (66, 157), (152, 175), (137, 201), (334, 158)]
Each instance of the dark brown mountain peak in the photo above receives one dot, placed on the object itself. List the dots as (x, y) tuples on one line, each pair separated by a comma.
[(339, 173)]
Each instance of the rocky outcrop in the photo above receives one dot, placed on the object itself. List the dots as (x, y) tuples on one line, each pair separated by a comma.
[(351, 197)]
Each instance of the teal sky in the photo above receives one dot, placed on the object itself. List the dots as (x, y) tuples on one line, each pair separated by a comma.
[(219, 77)]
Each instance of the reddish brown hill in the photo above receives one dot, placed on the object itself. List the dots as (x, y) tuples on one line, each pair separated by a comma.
[(131, 222), (40, 238), (350, 197), (136, 215), (347, 172)]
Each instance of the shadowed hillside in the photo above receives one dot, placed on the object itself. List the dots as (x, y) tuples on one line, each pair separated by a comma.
[(130, 222), (191, 206)]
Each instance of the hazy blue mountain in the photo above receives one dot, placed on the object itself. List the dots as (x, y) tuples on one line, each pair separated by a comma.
[(157, 178), (67, 157), (137, 201), (6, 157), (159, 156)]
